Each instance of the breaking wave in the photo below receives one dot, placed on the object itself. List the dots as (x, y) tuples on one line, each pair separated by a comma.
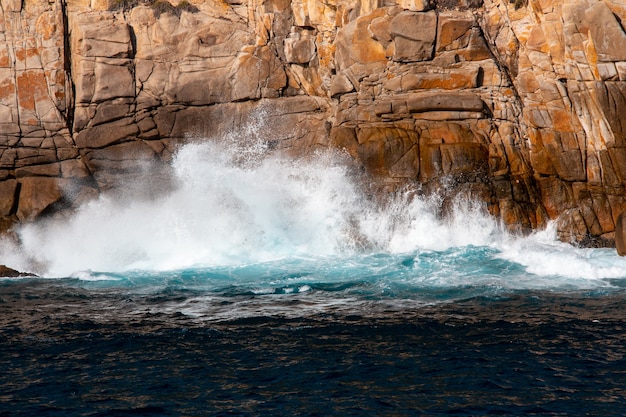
[(233, 202)]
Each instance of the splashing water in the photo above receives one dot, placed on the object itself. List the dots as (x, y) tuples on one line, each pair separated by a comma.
[(228, 210), (235, 203)]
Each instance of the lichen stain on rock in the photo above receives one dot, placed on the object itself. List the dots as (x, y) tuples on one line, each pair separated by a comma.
[(31, 87)]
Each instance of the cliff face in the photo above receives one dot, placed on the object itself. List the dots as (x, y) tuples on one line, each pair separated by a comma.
[(515, 104)]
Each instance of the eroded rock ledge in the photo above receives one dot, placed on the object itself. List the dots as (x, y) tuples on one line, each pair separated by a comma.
[(517, 104)]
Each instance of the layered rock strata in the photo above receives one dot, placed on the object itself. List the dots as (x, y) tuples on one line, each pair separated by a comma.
[(515, 104)]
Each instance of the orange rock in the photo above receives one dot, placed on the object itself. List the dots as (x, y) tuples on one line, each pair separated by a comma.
[(355, 45), (389, 151), (537, 41), (47, 26), (7, 88), (31, 87), (562, 120), (414, 36), (454, 30), (8, 190), (620, 234), (36, 195), (4, 59)]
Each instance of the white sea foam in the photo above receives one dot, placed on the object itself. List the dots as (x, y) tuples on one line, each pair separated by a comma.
[(221, 213), (233, 203), (226, 210), (91, 276), (541, 254)]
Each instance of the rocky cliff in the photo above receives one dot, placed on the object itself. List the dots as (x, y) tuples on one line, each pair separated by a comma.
[(517, 104)]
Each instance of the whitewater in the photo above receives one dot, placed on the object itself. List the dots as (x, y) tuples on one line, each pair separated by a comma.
[(251, 282), (234, 205)]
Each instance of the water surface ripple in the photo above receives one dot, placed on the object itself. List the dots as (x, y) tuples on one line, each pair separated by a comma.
[(68, 350)]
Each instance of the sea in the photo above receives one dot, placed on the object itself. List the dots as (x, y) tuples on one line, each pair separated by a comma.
[(258, 284)]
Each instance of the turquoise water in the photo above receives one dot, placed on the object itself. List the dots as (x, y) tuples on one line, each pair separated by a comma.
[(239, 214), (423, 277), (253, 284), (313, 338)]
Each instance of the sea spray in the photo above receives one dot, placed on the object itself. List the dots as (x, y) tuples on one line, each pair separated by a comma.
[(228, 204), (230, 207), (220, 212), (543, 256)]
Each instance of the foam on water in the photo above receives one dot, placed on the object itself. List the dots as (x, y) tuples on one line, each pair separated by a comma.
[(234, 202), (221, 213), (541, 254), (230, 208)]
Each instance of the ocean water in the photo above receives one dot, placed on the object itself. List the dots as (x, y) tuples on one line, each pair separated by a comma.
[(257, 284)]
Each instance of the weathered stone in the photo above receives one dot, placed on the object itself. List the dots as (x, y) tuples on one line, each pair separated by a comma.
[(254, 72), (414, 36), (389, 151), (84, 81), (47, 170), (620, 234), (8, 189), (414, 5), (96, 34), (447, 115), (454, 30), (609, 39), (340, 85), (612, 99), (380, 30), (449, 80), (423, 102), (430, 162), (74, 168), (536, 40), (477, 49), (107, 134), (206, 86), (37, 194), (112, 80), (110, 110), (112, 165), (7, 272), (34, 104), (355, 45), (464, 158), (518, 107), (12, 5), (300, 48), (555, 195)]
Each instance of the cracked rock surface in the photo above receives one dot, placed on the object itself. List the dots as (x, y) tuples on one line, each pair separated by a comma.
[(516, 104)]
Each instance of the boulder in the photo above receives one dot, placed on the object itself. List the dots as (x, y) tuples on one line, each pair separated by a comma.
[(7, 272), (355, 45), (414, 36), (300, 48)]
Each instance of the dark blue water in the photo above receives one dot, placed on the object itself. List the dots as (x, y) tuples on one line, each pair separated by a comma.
[(70, 348), (255, 284)]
